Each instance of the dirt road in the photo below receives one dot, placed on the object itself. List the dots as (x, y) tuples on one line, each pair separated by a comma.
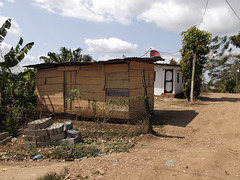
[(198, 142)]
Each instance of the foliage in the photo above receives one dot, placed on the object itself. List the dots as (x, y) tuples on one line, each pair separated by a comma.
[(17, 90), (223, 64), (66, 55), (55, 176), (194, 42)]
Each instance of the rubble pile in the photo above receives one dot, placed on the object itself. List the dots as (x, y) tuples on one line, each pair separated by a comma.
[(43, 132)]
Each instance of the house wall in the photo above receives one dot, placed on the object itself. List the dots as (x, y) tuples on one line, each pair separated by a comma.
[(160, 77), (106, 90), (137, 105), (49, 90)]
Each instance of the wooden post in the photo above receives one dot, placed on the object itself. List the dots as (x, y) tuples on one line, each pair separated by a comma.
[(145, 92), (193, 79), (149, 128)]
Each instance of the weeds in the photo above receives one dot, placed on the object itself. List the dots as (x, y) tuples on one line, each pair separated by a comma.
[(54, 175)]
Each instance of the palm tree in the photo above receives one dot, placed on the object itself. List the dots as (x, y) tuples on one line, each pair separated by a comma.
[(66, 55)]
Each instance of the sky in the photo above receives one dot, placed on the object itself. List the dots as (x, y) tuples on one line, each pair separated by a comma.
[(108, 29)]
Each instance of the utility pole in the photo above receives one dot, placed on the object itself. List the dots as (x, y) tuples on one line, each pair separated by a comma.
[(193, 79)]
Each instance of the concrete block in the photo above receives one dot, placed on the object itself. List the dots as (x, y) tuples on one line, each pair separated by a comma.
[(3, 135), (67, 125), (6, 140), (57, 136), (56, 128), (40, 132), (71, 141), (73, 133), (40, 123)]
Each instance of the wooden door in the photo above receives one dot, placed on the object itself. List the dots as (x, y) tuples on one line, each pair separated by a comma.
[(70, 81), (168, 82)]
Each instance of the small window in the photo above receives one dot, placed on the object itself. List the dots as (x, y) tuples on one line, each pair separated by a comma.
[(177, 77)]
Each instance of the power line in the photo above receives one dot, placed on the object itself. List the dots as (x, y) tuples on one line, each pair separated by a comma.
[(233, 9), (203, 13)]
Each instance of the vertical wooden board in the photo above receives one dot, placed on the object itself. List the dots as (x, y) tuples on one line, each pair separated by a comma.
[(104, 82), (117, 67)]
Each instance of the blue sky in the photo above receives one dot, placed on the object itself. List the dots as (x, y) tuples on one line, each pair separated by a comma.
[(110, 28)]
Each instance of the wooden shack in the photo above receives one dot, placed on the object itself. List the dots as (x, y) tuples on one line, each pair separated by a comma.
[(111, 89)]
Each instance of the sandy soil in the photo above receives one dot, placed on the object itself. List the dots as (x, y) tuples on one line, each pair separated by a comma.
[(198, 142)]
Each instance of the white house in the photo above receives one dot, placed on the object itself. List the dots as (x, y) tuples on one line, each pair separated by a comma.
[(168, 80)]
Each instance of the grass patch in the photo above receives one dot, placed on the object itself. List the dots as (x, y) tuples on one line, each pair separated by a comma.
[(55, 176)]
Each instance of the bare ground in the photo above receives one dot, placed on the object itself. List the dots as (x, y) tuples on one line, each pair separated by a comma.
[(198, 142)]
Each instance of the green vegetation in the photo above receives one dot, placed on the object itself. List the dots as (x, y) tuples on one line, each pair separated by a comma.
[(17, 90), (223, 64), (194, 43), (55, 176), (66, 55)]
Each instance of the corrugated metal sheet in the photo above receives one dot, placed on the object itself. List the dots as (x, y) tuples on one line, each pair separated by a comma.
[(111, 61)]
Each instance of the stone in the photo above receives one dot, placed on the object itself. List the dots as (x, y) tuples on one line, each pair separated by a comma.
[(170, 163)]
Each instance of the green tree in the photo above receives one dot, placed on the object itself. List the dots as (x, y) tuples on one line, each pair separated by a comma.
[(194, 43), (10, 82), (66, 55), (223, 64)]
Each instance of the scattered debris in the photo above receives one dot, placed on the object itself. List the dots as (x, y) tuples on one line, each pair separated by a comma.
[(38, 157)]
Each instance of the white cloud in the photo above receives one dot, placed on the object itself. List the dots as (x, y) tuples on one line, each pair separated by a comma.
[(11, 1), (170, 14), (1, 4), (111, 45), (4, 48), (14, 29)]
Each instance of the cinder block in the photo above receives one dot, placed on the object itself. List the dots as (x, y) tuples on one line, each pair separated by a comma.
[(73, 133), (67, 125), (3, 135), (40, 132), (71, 141), (57, 136), (40, 123), (6, 140), (56, 128)]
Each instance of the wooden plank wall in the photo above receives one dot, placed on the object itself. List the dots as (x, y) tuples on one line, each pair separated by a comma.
[(117, 82), (49, 90), (137, 106)]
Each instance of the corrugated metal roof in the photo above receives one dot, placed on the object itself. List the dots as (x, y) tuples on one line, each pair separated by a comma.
[(111, 61)]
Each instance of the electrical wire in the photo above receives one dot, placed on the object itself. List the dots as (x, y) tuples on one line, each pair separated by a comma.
[(203, 13), (233, 9)]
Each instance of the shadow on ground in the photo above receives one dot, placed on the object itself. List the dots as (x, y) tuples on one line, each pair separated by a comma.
[(222, 99), (174, 118)]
